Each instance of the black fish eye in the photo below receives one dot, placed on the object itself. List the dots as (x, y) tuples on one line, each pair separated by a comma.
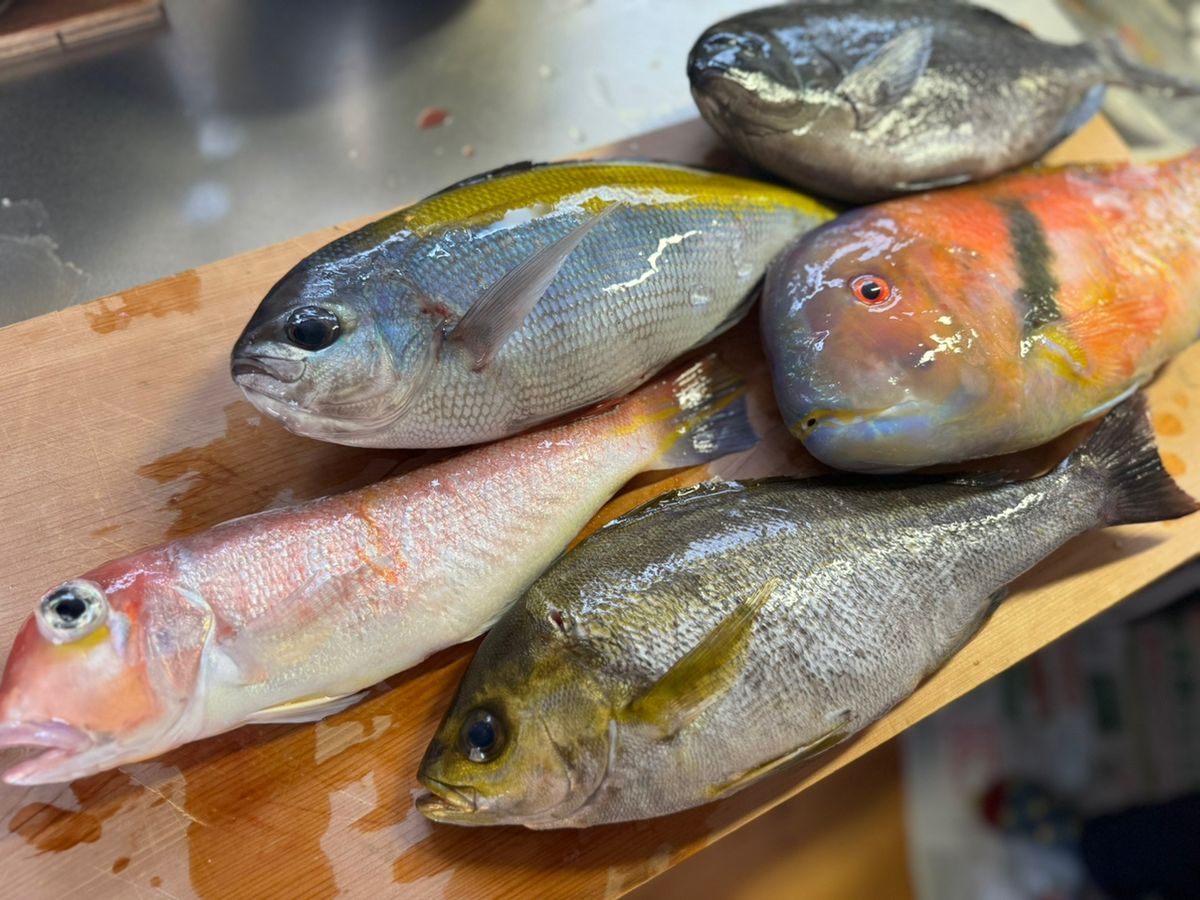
[(482, 735), (72, 611), (312, 328)]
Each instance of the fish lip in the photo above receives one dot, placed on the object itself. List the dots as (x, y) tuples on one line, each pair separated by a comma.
[(844, 417), (59, 741), (278, 368), (446, 802)]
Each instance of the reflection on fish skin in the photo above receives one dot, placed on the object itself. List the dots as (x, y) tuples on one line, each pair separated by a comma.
[(511, 299), (985, 319), (725, 631), (288, 615), (862, 101)]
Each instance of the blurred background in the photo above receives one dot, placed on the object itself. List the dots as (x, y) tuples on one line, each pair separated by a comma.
[(143, 138)]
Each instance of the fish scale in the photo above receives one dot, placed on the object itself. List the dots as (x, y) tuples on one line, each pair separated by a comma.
[(618, 308), (1016, 309), (856, 590), (285, 615), (867, 100)]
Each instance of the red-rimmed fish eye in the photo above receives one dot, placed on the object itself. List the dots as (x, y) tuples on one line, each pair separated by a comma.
[(871, 289)]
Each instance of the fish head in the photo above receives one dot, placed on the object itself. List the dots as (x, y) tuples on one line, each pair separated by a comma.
[(322, 355), (880, 343), (528, 737), (101, 674), (755, 73), (743, 75)]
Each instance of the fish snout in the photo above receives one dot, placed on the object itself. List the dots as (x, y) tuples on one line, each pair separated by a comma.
[(248, 367), (722, 60), (447, 802), (59, 742)]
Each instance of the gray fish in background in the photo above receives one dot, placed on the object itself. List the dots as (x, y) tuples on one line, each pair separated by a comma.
[(863, 101), (724, 632), (511, 299)]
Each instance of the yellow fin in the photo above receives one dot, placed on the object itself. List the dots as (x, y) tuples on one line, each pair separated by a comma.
[(830, 738), (701, 675)]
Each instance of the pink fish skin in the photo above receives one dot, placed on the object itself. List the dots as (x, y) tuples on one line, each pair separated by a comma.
[(285, 615)]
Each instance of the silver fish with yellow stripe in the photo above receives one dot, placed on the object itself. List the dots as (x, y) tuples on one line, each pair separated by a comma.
[(511, 299)]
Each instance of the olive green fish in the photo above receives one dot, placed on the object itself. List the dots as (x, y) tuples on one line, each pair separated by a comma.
[(511, 299), (719, 634)]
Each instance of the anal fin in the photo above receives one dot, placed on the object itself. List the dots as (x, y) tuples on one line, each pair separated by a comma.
[(830, 738), (307, 709)]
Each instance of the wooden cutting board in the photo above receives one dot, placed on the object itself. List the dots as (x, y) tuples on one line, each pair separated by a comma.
[(120, 427)]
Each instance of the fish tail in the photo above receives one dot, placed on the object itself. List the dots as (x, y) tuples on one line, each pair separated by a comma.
[(1120, 69), (1136, 486), (700, 414)]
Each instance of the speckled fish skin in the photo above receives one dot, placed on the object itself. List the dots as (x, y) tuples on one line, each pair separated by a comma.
[(1016, 309), (965, 95), (671, 261), (870, 587), (284, 615)]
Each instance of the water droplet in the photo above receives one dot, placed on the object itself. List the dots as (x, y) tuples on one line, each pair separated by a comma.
[(701, 297), (745, 269)]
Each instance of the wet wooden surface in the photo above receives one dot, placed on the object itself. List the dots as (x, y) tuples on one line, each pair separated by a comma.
[(120, 427)]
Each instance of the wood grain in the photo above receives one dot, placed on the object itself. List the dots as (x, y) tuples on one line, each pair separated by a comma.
[(120, 427), (37, 27)]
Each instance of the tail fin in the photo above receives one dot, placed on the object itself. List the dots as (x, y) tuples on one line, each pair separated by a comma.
[(1122, 70), (1137, 487), (704, 408)]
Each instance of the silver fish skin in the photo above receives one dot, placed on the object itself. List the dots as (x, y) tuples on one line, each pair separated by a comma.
[(863, 101), (619, 687), (511, 299)]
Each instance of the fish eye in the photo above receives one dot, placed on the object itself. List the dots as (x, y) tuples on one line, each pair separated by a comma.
[(312, 328), (482, 735), (871, 289), (72, 611)]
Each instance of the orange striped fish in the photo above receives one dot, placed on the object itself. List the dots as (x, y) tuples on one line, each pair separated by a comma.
[(984, 319)]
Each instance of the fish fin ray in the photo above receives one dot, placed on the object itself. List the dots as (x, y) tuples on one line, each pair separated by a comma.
[(1137, 488), (503, 307), (1120, 69), (306, 709), (821, 743), (302, 616), (881, 79), (708, 416), (702, 675)]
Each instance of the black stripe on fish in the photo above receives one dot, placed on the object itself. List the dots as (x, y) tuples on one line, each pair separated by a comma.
[(1035, 259)]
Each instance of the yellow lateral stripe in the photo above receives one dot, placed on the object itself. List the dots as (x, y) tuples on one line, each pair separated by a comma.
[(488, 201)]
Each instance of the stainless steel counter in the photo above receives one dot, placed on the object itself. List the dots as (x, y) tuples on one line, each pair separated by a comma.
[(245, 122)]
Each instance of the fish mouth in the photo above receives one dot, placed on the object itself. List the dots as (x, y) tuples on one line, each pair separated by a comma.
[(250, 370), (455, 804), (815, 419), (833, 417), (63, 745)]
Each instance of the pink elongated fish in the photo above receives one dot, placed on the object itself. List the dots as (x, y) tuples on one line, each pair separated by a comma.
[(285, 616)]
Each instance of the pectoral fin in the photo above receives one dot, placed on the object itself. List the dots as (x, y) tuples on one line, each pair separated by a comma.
[(830, 738), (502, 308), (881, 79), (702, 675), (308, 709)]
